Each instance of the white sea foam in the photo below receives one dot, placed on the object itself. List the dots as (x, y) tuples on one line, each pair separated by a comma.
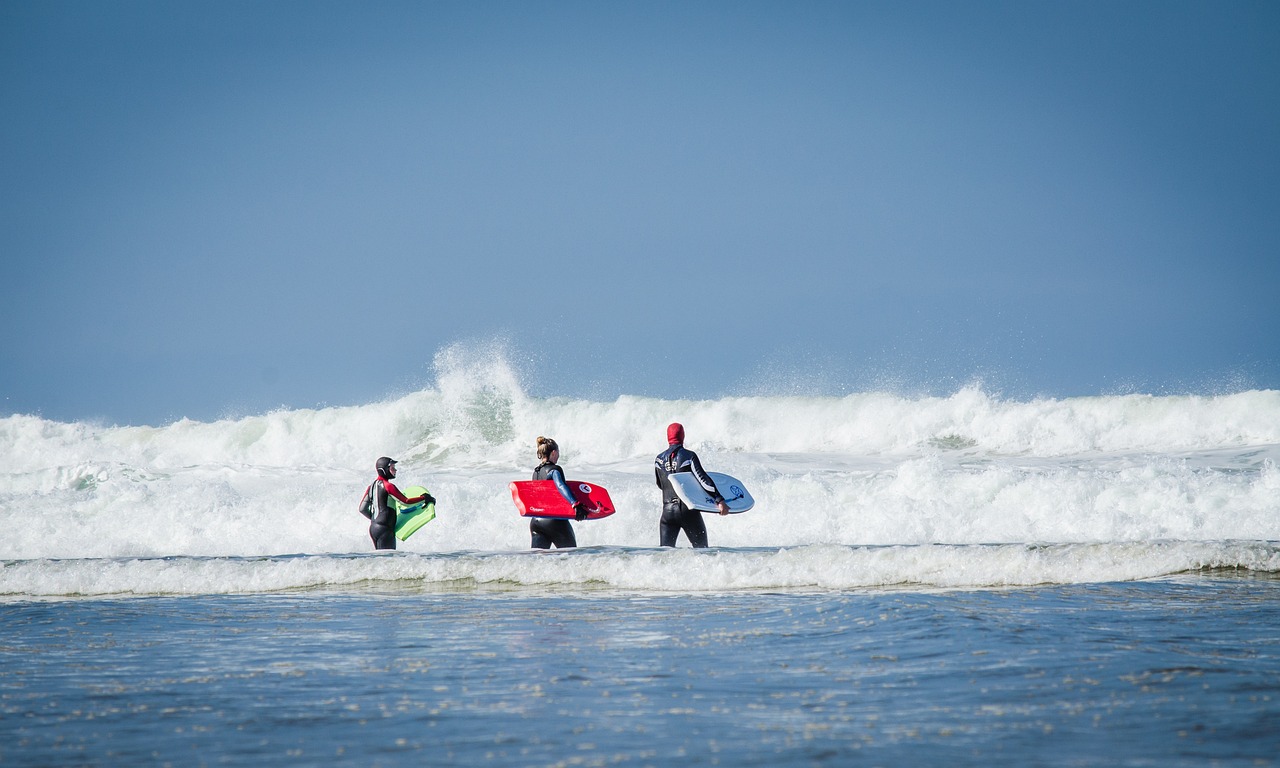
[(881, 488), (814, 567)]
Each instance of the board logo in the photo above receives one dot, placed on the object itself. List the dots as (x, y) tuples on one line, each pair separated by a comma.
[(584, 488)]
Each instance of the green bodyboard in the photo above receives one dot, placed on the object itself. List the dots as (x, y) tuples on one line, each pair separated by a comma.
[(411, 517)]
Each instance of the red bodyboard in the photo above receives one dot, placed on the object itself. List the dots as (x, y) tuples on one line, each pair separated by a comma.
[(540, 498)]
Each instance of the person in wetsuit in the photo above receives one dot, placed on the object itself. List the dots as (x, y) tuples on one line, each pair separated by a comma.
[(676, 515), (377, 507), (547, 532)]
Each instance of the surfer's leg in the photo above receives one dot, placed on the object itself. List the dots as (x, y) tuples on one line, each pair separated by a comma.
[(564, 535), (384, 536), (695, 528), (668, 529), (540, 537)]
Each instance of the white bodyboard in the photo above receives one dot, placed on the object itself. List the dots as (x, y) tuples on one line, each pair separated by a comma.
[(731, 488)]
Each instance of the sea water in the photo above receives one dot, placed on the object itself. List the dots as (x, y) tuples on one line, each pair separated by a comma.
[(929, 580)]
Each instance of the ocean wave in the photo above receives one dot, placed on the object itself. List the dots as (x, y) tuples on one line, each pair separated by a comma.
[(639, 570), (863, 470), (478, 415)]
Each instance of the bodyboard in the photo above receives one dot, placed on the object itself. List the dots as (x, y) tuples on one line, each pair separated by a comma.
[(411, 517), (540, 498), (731, 488)]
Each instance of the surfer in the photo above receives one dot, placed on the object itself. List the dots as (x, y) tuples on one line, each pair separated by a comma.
[(676, 515), (550, 531), (375, 506)]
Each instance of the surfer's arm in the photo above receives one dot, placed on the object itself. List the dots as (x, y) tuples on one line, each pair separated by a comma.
[(562, 487), (394, 491), (704, 479)]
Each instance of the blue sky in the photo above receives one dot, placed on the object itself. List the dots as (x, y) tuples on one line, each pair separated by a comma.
[(220, 208)]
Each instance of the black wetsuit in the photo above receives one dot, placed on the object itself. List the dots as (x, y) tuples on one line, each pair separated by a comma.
[(676, 516), (382, 525), (547, 532)]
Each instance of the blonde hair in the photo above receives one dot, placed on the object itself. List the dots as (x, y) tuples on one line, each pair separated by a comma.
[(545, 446)]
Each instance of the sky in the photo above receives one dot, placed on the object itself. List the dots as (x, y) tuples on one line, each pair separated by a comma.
[(217, 209)]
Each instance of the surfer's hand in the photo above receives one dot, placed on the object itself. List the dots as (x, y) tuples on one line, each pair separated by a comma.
[(428, 499), (579, 511), (724, 508)]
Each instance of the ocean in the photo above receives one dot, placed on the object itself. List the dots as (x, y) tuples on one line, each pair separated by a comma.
[(958, 580)]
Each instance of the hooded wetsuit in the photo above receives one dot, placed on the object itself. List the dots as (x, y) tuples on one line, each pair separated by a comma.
[(676, 516), (382, 526), (552, 531)]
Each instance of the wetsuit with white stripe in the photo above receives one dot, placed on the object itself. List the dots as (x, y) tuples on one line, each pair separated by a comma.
[(382, 525), (676, 516)]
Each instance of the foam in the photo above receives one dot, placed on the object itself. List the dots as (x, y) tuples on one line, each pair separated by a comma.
[(644, 570), (863, 470)]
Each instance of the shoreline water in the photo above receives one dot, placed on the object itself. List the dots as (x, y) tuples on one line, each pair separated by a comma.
[(1174, 671)]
